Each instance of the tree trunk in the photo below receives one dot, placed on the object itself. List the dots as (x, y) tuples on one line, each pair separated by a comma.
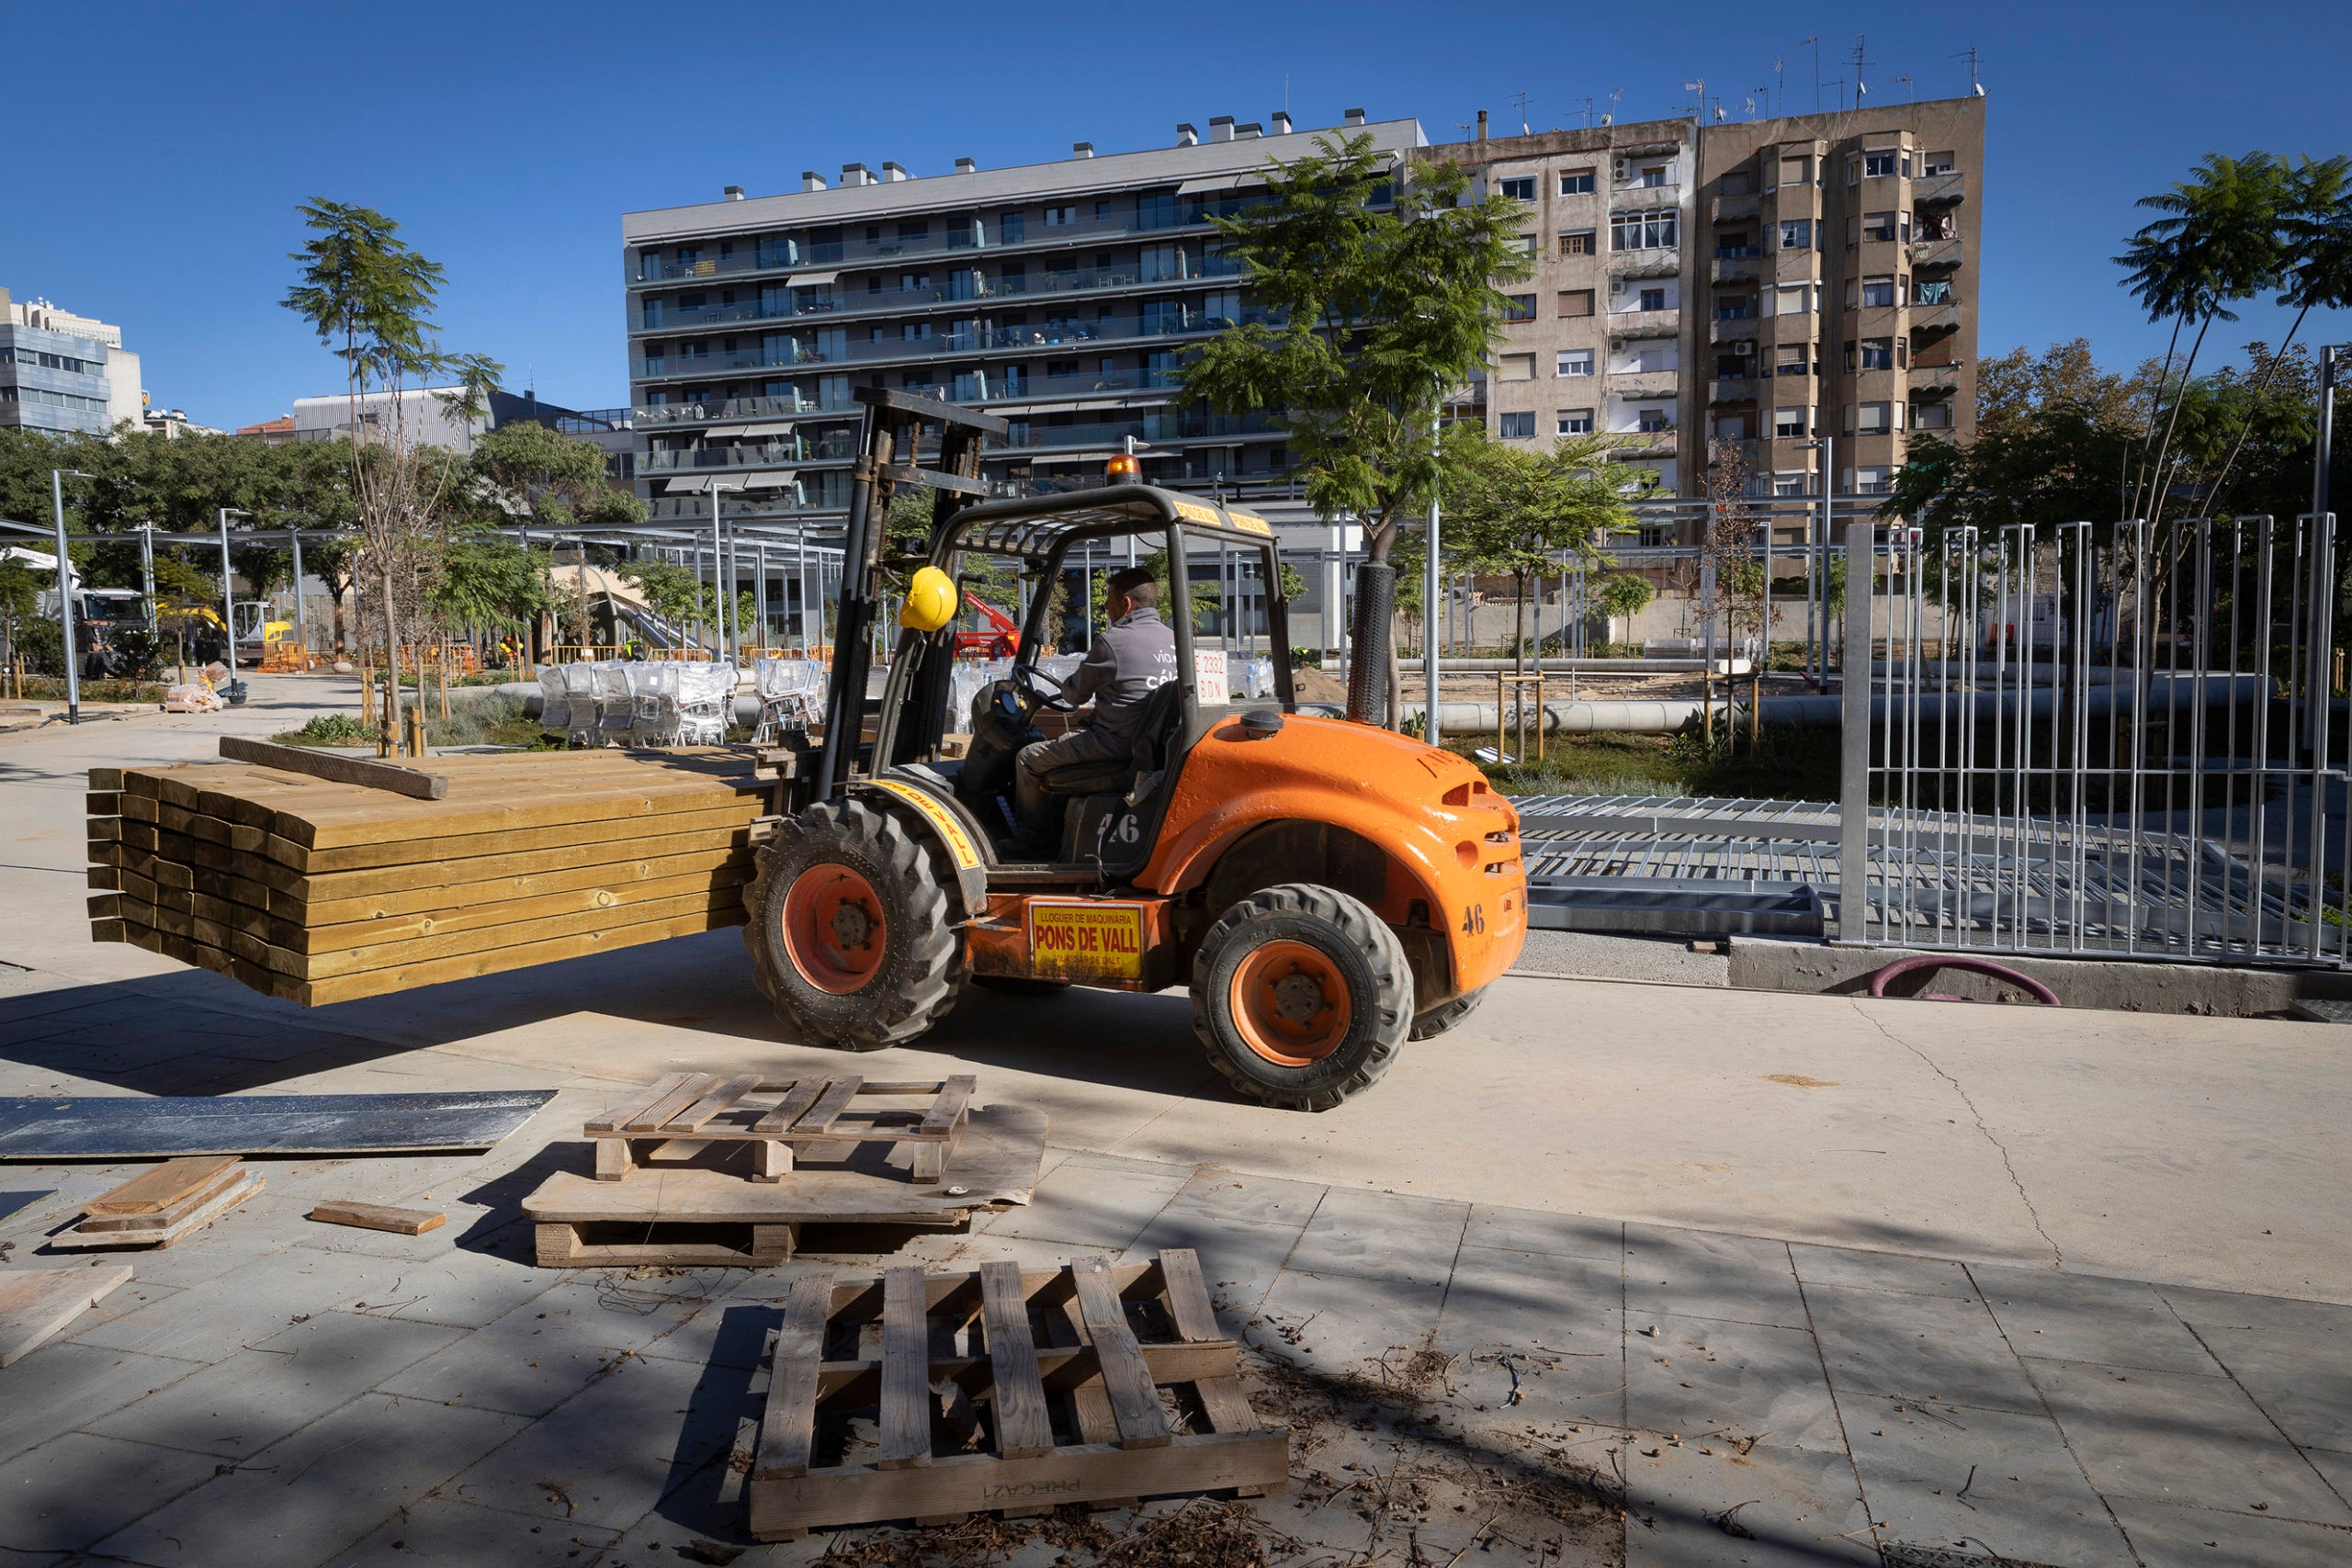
[(2148, 437), (2245, 425), (392, 666), (2164, 448)]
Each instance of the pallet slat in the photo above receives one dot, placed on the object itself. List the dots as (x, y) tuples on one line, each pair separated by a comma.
[(658, 1114), (798, 1099), (713, 1102), (906, 1371), (830, 1105), (1024, 1426), (789, 1430), (1125, 1379)]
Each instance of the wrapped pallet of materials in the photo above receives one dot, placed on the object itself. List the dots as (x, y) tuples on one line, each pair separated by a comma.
[(705, 691), (555, 702), (580, 695)]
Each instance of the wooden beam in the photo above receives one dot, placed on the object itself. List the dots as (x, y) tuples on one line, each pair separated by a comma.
[(365, 772)]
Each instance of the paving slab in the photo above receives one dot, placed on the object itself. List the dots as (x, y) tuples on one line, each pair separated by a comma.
[(1092, 1201), (2302, 1380), (1381, 1236), (1766, 1508), (257, 1291), (307, 1497), (2078, 1318), (245, 1402), (67, 1494), (1701, 1378), (1958, 1480), (1534, 1230), (1740, 1279), (1899, 1272), (2193, 1440), (1239, 1262), (1912, 1347), (2166, 1535), (64, 1383), (461, 1289), (445, 1531), (1215, 1197)]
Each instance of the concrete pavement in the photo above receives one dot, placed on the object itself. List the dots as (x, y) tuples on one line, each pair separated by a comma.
[(1617, 1272)]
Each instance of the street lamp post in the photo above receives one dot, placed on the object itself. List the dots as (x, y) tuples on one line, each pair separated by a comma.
[(1431, 731), (1817, 612), (302, 625), (717, 566), (66, 592), (229, 600)]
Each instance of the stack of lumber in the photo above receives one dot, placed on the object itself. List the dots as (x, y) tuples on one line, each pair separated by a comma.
[(161, 1204), (321, 890)]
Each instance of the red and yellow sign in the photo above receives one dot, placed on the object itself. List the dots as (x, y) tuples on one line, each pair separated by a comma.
[(1087, 940)]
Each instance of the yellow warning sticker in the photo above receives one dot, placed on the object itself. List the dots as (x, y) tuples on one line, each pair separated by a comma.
[(1193, 512), (959, 842), (1085, 941)]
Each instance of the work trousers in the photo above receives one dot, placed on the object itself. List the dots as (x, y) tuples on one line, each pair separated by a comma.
[(1040, 820)]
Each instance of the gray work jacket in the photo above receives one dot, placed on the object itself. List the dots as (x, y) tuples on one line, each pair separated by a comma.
[(1132, 656)]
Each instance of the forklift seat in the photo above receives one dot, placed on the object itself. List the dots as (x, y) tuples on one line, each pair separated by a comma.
[(1159, 716)]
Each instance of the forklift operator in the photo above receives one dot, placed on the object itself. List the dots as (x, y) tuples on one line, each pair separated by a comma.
[(1133, 655)]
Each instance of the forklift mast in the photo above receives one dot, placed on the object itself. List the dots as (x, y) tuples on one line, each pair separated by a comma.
[(892, 456)]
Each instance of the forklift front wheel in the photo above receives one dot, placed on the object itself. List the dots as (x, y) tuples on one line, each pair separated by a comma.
[(849, 932), (1302, 996)]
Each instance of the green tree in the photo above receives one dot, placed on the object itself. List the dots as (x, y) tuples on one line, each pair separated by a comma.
[(489, 579), (1364, 313), (2218, 243), (1622, 596), (369, 296), (1514, 512), (530, 471)]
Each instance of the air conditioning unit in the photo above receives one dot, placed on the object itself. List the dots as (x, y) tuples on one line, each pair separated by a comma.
[(1616, 285), (1624, 168), (1742, 347)]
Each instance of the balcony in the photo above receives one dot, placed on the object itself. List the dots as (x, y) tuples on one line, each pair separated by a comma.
[(1658, 441), (1935, 253), (1734, 329), (1643, 323), (1740, 266), (1728, 207), (1663, 263), (1935, 318), (1928, 379), (719, 412), (661, 270), (1931, 188), (1643, 383), (1073, 335), (1734, 388)]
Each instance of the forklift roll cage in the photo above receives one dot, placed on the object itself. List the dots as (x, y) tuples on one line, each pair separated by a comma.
[(1037, 531)]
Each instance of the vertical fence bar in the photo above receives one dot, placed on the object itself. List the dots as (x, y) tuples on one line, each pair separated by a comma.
[(1854, 756)]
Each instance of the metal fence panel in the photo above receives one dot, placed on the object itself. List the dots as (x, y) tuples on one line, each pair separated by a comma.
[(2104, 741)]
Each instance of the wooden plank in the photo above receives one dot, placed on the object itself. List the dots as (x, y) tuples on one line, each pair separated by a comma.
[(756, 1246), (713, 1102), (1024, 1425), (1188, 1293), (305, 935), (788, 1429), (782, 1506), (37, 1303), (1060, 1367), (830, 1105), (945, 1112), (906, 1371), (363, 771), (1089, 1406), (636, 1103), (626, 832), (167, 1216), (409, 977), (799, 1098), (658, 1114), (380, 1217), (161, 1187), (213, 1207), (106, 779), (1135, 1403)]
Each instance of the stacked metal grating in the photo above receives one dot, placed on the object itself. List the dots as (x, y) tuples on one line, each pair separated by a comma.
[(320, 892)]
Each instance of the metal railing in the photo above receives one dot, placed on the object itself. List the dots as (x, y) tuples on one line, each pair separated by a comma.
[(2112, 741)]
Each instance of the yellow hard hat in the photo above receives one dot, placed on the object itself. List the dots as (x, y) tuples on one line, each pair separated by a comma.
[(931, 601)]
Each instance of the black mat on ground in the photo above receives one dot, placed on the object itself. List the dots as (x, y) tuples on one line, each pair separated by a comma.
[(111, 1126)]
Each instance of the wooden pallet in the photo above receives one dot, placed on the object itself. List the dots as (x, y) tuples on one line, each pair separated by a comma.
[(689, 1216), (686, 1112), (1001, 1390)]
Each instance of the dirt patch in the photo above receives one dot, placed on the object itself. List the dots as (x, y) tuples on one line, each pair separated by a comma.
[(1798, 1080)]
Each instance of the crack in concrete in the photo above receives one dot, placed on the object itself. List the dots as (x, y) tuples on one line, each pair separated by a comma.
[(2058, 1256)]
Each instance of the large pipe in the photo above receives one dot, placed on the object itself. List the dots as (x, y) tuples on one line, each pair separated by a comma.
[(1588, 665)]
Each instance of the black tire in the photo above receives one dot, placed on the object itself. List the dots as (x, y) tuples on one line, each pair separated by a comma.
[(1352, 947), (918, 977), (1445, 1015), (1020, 984)]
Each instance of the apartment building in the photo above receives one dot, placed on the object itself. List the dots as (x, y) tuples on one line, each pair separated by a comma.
[(62, 373), (1729, 294), (1060, 296)]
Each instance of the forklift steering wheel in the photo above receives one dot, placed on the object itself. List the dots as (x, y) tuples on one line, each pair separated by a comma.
[(1024, 675)]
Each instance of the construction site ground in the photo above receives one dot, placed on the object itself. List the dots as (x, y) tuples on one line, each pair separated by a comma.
[(1620, 1271)]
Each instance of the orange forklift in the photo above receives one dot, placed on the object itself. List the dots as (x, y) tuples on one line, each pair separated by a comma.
[(1328, 890)]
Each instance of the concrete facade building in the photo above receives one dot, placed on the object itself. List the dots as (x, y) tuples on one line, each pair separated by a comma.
[(1726, 293), (1060, 296), (63, 372)]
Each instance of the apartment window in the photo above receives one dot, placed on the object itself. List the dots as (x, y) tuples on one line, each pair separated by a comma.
[(1061, 367), (1938, 163), (1878, 226), (1576, 181), (874, 334), (1576, 243), (1011, 228), (914, 282), (1736, 244), (915, 331), (1787, 422), (1159, 369), (1102, 209), (1878, 291), (1791, 299), (1788, 359), (1796, 234), (1060, 217), (1735, 307), (1649, 422), (1106, 366), (1871, 354), (1788, 483), (1878, 166), (1731, 427), (1872, 418), (1516, 426), (1519, 307), (1531, 244), (1939, 293), (1515, 367), (1734, 366), (1573, 362), (873, 284), (1737, 182), (1653, 175), (1796, 170), (1931, 416), (1520, 188), (1655, 230), (1873, 480), (1576, 301), (1575, 421), (1156, 209), (1653, 299)]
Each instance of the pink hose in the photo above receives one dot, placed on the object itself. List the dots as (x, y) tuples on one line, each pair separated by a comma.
[(2002, 972)]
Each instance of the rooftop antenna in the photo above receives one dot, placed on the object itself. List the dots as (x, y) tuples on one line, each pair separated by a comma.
[(1520, 99), (1615, 93), (1586, 101), (1816, 42), (1910, 92), (1781, 85), (1698, 109), (1749, 105), (1860, 90), (1970, 55)]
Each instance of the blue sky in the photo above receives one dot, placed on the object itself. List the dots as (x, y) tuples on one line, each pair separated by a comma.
[(157, 152)]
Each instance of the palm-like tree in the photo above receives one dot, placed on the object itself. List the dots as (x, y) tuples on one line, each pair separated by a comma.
[(2315, 234), (2217, 242)]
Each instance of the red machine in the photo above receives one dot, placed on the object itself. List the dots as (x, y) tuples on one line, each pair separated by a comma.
[(1000, 641)]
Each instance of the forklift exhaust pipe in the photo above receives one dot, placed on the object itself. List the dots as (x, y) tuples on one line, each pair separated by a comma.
[(1368, 643)]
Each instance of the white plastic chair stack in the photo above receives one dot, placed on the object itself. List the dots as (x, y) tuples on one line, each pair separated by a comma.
[(580, 699), (655, 719), (555, 702), (616, 702), (791, 696), (705, 693)]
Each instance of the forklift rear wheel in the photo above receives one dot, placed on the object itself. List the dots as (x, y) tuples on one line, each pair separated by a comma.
[(1445, 1015), (1302, 996), (850, 934)]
